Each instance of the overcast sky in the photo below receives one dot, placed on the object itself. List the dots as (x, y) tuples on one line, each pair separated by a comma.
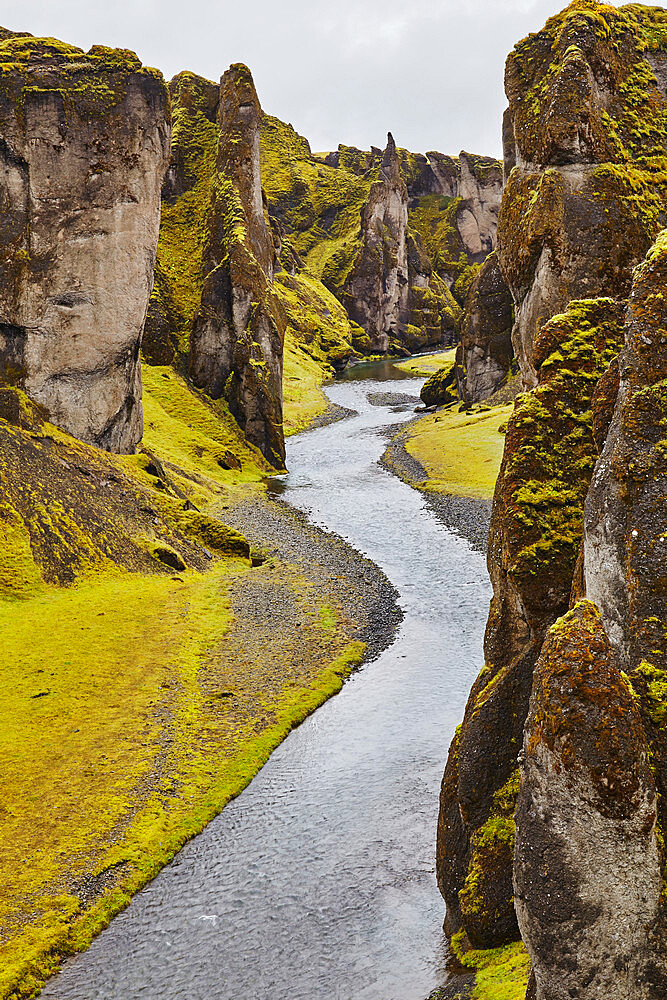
[(431, 71)]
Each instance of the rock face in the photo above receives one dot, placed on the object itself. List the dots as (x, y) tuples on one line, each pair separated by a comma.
[(85, 143), (578, 213), (376, 291), (587, 871), (405, 285), (236, 348), (584, 200), (485, 352)]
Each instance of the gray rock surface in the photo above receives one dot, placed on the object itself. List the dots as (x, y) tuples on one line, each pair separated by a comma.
[(377, 290), (85, 144), (236, 348)]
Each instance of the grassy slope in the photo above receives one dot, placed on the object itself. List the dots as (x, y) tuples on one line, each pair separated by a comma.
[(117, 733), (426, 364), (460, 452)]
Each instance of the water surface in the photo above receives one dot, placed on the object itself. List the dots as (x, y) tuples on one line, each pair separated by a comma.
[(318, 880)]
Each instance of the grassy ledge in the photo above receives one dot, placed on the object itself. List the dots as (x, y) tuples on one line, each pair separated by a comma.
[(426, 364), (458, 453)]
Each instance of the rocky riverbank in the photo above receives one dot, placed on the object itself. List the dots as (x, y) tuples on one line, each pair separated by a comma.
[(229, 661)]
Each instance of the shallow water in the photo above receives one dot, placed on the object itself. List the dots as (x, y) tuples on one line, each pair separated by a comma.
[(318, 880)]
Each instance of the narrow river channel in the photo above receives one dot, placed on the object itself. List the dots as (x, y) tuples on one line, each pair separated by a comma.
[(318, 880)]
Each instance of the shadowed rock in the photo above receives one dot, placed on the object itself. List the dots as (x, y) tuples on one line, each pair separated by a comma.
[(486, 335)]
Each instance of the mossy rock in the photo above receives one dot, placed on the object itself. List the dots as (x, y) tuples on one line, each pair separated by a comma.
[(440, 388), (213, 534)]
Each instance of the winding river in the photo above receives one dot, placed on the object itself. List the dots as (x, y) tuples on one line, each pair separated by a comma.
[(318, 880)]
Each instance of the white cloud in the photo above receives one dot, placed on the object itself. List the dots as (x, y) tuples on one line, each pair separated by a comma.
[(431, 71)]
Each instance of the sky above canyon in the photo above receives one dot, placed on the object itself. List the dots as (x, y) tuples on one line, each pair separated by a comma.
[(431, 71)]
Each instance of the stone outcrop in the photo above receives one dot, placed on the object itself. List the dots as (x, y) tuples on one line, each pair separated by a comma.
[(376, 290), (583, 202), (328, 211), (578, 213), (587, 872), (484, 355), (85, 143), (236, 347)]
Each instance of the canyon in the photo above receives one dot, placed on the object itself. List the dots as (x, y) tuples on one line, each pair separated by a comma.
[(182, 277)]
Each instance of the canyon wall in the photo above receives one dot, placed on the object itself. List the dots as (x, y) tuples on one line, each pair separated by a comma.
[(236, 346), (403, 286), (565, 711), (85, 143)]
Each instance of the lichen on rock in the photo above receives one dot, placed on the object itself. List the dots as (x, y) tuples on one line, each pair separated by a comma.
[(237, 338)]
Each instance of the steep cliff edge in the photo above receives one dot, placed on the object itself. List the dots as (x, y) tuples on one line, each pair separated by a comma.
[(236, 346), (328, 209), (85, 143), (586, 139)]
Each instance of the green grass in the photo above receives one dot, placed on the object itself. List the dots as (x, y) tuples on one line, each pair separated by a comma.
[(427, 364), (114, 752), (460, 452)]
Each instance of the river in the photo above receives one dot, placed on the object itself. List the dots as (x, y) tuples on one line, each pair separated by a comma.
[(318, 881)]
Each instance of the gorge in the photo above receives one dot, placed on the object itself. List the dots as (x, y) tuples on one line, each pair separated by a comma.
[(186, 284)]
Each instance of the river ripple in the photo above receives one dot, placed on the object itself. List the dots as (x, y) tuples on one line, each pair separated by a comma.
[(318, 880)]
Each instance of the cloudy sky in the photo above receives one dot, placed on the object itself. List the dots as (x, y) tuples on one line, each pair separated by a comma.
[(431, 71)]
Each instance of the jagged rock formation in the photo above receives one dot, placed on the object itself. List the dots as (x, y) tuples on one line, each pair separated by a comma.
[(318, 332), (85, 140), (328, 210), (484, 354), (237, 337), (585, 196), (376, 290), (585, 115)]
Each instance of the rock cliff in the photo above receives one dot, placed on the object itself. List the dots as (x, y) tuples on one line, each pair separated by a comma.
[(85, 143), (404, 288), (586, 141), (484, 354), (236, 347)]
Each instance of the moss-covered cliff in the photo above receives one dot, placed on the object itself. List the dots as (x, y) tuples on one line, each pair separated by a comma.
[(586, 191)]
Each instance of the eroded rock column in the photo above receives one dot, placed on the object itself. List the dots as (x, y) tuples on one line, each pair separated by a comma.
[(85, 143)]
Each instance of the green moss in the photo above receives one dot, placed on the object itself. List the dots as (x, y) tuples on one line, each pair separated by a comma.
[(551, 451), (318, 206), (500, 973), (492, 847), (19, 575), (92, 83), (655, 681), (433, 217)]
